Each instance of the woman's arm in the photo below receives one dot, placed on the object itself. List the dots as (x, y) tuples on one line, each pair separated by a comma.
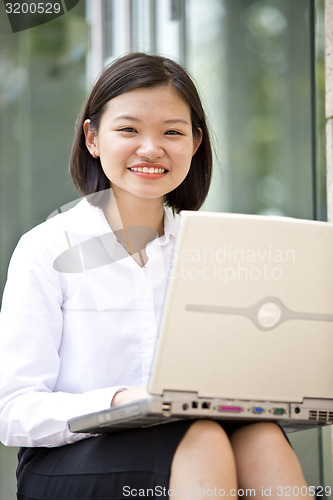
[(31, 326)]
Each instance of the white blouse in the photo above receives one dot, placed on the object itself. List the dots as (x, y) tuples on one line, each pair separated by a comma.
[(78, 323)]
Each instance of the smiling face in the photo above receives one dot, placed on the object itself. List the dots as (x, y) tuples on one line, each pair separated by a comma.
[(145, 142)]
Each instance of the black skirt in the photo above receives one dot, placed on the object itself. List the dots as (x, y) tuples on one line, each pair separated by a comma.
[(130, 464), (122, 465)]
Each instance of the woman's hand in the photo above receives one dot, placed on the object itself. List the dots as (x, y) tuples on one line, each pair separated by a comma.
[(128, 395)]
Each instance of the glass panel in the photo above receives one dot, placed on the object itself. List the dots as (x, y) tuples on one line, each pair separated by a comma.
[(170, 32), (144, 25), (260, 75), (143, 16), (117, 28), (319, 105)]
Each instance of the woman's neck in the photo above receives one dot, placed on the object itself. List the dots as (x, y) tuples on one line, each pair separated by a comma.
[(136, 221)]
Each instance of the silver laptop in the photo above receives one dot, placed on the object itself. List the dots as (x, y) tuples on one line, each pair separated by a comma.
[(247, 328)]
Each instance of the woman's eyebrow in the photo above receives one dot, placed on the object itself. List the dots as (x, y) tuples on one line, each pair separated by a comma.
[(177, 120), (133, 119), (127, 117)]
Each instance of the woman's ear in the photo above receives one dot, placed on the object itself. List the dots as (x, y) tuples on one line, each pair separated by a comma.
[(90, 135), (197, 140)]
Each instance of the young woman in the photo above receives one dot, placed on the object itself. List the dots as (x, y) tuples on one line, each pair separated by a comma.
[(82, 304)]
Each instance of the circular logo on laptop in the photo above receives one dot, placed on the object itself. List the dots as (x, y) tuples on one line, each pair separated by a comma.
[(269, 314)]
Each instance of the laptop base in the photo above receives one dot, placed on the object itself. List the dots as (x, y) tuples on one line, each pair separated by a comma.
[(156, 410)]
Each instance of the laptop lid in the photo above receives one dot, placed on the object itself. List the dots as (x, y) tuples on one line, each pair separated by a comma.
[(249, 309)]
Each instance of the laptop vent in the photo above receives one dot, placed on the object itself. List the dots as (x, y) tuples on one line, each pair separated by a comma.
[(321, 415)]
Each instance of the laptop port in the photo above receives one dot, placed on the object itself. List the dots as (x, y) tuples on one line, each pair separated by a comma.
[(231, 409), (166, 407), (194, 404), (205, 405), (258, 410), (278, 411)]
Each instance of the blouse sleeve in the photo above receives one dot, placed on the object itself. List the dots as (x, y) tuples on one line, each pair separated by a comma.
[(31, 321)]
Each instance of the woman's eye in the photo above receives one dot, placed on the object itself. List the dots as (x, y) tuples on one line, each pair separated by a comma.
[(173, 132), (127, 129)]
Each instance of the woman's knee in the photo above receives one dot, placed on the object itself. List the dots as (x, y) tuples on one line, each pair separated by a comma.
[(206, 436), (207, 430), (204, 452), (260, 436)]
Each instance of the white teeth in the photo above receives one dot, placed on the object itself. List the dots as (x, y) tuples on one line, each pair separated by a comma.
[(147, 170)]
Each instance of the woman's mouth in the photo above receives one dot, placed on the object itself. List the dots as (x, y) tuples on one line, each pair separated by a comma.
[(148, 170)]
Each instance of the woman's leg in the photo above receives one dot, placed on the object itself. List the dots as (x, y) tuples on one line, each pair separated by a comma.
[(256, 459), (266, 463), (203, 462)]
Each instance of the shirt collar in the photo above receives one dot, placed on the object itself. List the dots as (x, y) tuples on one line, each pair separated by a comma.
[(171, 222)]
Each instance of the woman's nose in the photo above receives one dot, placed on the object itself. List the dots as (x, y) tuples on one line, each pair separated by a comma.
[(150, 148)]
